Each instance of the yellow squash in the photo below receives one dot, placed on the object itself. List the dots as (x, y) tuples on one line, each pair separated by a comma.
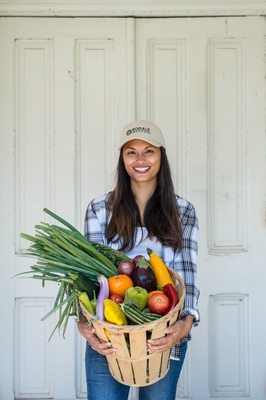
[(113, 313), (160, 269)]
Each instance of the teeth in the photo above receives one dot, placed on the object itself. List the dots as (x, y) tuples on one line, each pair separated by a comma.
[(142, 169)]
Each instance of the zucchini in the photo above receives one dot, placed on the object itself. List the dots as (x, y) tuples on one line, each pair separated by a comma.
[(84, 284), (137, 316)]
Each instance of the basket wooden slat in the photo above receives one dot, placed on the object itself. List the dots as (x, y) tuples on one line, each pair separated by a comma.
[(118, 341), (155, 366), (139, 370), (165, 362), (133, 365), (138, 345), (113, 367)]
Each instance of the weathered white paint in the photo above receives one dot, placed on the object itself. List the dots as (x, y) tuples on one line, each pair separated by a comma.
[(227, 123), (34, 94), (129, 8), (68, 87), (33, 358), (232, 381)]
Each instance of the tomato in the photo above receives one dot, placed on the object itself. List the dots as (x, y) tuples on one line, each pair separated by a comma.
[(155, 291), (116, 298), (158, 303), (118, 284)]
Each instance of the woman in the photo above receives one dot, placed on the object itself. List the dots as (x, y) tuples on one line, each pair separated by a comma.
[(143, 211)]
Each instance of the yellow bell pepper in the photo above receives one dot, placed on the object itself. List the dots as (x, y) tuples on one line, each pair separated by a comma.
[(113, 313)]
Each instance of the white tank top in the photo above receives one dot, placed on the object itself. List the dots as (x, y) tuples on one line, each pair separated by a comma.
[(140, 248)]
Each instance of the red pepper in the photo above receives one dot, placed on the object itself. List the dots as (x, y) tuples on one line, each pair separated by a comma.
[(172, 295)]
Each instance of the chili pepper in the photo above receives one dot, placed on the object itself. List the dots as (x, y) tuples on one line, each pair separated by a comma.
[(172, 295), (113, 313), (84, 298), (94, 302)]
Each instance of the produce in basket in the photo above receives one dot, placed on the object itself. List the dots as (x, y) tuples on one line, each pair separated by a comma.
[(126, 268), (66, 257), (82, 270), (138, 296), (113, 313), (158, 303), (143, 275), (133, 365), (160, 269), (103, 295), (85, 300), (87, 272)]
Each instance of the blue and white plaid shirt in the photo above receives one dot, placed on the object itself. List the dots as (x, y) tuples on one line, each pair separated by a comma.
[(184, 263)]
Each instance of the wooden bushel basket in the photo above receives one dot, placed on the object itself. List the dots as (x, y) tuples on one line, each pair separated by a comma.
[(132, 365)]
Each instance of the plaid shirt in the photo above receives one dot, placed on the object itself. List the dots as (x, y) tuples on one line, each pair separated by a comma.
[(184, 263)]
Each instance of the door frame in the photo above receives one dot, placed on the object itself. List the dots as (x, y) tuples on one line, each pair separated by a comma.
[(130, 8)]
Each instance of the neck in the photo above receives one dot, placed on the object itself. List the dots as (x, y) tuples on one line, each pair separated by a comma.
[(142, 193)]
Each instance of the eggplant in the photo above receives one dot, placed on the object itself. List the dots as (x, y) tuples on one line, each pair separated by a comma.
[(143, 276), (103, 295)]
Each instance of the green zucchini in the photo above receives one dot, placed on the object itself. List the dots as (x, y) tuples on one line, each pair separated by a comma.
[(137, 316), (84, 284)]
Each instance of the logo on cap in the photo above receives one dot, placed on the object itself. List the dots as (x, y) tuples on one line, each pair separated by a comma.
[(138, 129)]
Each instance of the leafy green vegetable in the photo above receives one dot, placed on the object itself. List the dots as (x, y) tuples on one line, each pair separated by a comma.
[(63, 254)]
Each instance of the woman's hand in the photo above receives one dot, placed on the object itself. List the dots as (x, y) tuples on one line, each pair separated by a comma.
[(88, 332), (173, 334)]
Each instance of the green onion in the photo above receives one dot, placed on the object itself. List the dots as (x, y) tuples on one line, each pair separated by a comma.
[(62, 251)]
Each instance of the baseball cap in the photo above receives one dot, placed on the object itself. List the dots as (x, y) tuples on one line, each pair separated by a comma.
[(143, 130)]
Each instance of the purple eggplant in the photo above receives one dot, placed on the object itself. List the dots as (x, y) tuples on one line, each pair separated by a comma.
[(103, 294), (143, 276)]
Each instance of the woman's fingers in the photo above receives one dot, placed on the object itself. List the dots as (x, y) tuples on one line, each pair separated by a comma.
[(88, 332)]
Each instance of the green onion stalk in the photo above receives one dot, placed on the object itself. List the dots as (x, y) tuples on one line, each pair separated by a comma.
[(66, 257)]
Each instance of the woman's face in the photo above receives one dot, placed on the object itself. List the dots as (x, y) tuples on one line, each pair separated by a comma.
[(142, 160)]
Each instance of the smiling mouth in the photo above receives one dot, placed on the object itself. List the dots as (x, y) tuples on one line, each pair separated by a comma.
[(141, 169)]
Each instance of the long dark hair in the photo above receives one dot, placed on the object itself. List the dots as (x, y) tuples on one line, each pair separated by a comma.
[(161, 215)]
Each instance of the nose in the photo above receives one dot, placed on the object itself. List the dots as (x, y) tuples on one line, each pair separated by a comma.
[(140, 156)]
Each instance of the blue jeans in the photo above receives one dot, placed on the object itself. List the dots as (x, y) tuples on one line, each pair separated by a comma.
[(101, 384)]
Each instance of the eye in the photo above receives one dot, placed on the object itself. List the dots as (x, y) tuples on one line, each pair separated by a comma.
[(149, 151)]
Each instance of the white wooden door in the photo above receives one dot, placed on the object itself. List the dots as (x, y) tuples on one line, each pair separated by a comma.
[(202, 81), (67, 88), (63, 91)]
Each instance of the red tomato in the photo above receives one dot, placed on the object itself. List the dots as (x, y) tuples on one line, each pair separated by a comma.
[(158, 303), (116, 298)]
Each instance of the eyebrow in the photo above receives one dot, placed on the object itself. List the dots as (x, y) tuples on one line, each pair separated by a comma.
[(134, 148)]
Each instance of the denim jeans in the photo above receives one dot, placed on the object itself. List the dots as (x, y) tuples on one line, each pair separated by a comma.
[(101, 384)]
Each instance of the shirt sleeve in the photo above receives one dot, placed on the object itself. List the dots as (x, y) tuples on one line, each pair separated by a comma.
[(96, 220), (189, 255), (185, 262)]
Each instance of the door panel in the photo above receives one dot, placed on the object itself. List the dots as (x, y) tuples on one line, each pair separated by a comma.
[(202, 81), (69, 84), (68, 87)]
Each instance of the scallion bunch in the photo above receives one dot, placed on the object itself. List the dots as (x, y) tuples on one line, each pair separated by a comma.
[(66, 257)]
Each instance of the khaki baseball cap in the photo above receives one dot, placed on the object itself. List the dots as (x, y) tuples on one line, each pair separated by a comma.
[(143, 130)]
